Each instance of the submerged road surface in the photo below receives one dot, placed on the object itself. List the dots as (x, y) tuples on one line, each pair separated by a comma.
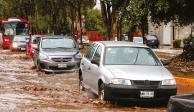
[(22, 88)]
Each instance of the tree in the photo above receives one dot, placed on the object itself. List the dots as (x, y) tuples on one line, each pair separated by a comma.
[(137, 14), (172, 10), (110, 10), (46, 15), (94, 21)]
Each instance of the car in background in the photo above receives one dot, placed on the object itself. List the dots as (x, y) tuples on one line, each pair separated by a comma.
[(57, 54), (85, 40), (152, 41), (124, 37), (119, 70), (189, 46), (19, 43), (138, 40), (33, 41)]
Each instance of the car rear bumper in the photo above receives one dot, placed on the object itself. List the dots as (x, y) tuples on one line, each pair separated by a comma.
[(6, 44), (152, 44), (121, 92), (50, 66)]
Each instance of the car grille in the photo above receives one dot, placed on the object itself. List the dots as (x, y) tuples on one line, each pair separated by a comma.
[(145, 82), (61, 59)]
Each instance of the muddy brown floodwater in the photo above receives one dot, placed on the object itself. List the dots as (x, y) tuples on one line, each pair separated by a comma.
[(22, 88)]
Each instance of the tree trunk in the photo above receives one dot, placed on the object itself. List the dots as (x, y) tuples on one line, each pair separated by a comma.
[(106, 14)]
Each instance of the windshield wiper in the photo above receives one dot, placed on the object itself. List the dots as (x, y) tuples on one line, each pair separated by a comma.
[(62, 48)]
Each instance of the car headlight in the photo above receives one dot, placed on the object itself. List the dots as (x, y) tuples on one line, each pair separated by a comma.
[(78, 56), (43, 56), (168, 82), (14, 45), (120, 82)]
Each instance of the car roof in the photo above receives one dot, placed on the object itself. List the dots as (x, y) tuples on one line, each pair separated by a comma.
[(39, 35), (57, 36), (121, 43)]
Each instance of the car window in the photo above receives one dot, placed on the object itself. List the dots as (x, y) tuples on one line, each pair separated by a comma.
[(151, 37), (35, 40), (97, 54), (146, 57), (52, 43), (130, 56), (90, 52)]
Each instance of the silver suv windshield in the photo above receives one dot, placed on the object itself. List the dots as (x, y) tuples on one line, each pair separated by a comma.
[(52, 43), (130, 56)]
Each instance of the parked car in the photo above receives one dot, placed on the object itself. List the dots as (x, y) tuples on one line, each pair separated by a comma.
[(57, 54), (124, 37), (181, 103), (138, 40), (119, 70), (19, 43), (189, 46), (152, 41), (85, 40), (32, 42)]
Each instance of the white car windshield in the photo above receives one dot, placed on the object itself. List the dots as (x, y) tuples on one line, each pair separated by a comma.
[(130, 56), (49, 43)]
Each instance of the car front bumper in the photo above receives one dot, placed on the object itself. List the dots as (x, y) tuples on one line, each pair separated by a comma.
[(51, 66), (132, 93)]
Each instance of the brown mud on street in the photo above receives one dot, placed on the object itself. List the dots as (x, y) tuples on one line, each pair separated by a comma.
[(22, 88)]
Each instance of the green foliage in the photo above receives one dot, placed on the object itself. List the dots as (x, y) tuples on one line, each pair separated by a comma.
[(180, 11), (187, 40), (94, 21), (46, 15), (177, 43)]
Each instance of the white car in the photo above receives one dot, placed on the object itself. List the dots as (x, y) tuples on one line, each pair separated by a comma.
[(119, 70)]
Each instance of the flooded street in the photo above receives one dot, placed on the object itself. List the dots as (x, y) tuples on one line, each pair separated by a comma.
[(22, 88)]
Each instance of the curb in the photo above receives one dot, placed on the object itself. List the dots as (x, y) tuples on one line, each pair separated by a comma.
[(188, 81)]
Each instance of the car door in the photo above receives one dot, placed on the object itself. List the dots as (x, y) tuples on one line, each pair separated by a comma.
[(86, 63), (95, 69)]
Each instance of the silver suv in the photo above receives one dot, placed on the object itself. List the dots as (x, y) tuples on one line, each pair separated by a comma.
[(57, 54), (125, 71)]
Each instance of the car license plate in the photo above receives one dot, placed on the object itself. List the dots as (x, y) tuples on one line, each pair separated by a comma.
[(62, 65), (146, 94), (23, 49)]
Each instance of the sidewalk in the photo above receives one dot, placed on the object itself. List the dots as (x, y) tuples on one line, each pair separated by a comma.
[(188, 81), (185, 85), (169, 49)]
